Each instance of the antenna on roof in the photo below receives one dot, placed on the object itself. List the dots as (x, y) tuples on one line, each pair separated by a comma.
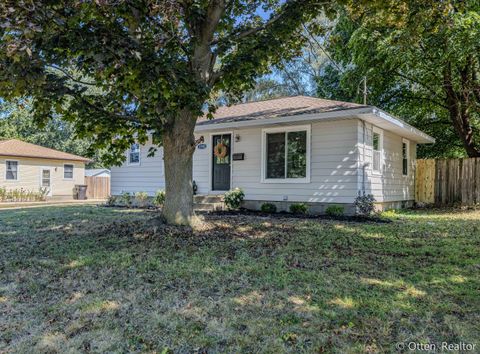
[(365, 89)]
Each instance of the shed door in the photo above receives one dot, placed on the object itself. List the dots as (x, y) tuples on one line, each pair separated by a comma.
[(221, 165)]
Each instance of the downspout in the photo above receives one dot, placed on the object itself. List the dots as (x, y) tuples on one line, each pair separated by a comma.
[(364, 163)]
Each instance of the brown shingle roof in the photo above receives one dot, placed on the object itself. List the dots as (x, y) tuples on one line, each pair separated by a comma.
[(18, 148), (278, 107)]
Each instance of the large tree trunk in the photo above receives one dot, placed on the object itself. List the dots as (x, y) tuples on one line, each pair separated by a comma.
[(178, 148), (458, 109)]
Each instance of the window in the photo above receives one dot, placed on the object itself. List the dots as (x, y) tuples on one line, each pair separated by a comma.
[(286, 154), (68, 171), (377, 144), (134, 155), (11, 168), (405, 156)]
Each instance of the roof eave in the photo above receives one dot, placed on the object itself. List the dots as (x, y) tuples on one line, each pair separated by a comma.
[(301, 118), (79, 159)]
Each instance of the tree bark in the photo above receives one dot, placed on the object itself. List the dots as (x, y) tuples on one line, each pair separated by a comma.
[(459, 114), (178, 148)]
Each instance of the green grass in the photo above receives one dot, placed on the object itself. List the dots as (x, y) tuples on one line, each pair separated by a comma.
[(92, 279)]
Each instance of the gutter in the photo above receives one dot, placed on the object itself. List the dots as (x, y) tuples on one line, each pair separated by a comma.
[(350, 113)]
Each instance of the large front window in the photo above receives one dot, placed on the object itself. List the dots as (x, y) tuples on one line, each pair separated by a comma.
[(286, 155)]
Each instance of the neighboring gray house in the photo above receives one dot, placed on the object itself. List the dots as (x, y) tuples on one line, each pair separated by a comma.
[(97, 172), (293, 149)]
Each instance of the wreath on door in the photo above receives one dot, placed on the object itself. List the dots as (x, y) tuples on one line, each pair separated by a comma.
[(220, 150)]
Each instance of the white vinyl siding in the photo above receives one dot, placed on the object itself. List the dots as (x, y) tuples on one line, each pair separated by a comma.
[(145, 177), (391, 185), (29, 175), (337, 154)]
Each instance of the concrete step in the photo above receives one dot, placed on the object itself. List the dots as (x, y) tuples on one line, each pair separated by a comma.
[(208, 206), (208, 198)]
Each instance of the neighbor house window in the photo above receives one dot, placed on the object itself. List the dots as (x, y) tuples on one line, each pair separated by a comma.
[(134, 154), (11, 170), (405, 155), (286, 154), (68, 171), (377, 144)]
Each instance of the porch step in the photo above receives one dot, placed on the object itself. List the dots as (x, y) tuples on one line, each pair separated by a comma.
[(208, 206), (208, 199)]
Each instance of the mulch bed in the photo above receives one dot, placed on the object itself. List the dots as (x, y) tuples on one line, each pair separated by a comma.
[(285, 215)]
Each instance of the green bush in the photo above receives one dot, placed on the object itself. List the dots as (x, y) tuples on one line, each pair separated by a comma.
[(159, 198), (141, 199), (126, 199), (268, 208), (364, 204), (335, 210), (112, 200), (299, 208), (233, 199)]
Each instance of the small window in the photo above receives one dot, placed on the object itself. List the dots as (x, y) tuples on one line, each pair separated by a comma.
[(134, 154), (285, 157), (11, 170), (405, 155), (377, 144), (68, 171)]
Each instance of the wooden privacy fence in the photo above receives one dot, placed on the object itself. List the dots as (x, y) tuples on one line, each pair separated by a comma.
[(97, 187), (447, 182)]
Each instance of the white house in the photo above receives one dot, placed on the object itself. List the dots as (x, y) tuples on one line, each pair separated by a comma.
[(293, 149)]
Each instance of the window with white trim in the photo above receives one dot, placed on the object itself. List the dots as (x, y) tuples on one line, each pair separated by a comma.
[(377, 149), (286, 154), (405, 156), (134, 154), (11, 170), (68, 171)]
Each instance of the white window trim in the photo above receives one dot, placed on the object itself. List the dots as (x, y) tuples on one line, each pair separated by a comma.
[(18, 171), (139, 156), (73, 171), (286, 129), (407, 143), (380, 133)]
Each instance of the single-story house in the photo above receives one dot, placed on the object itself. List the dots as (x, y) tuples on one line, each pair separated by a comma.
[(290, 150), (97, 172), (31, 167)]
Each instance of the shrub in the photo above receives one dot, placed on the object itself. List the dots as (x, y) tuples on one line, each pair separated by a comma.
[(159, 198), (112, 200), (22, 195), (299, 208), (126, 199), (233, 199), (141, 199), (364, 204), (268, 208), (335, 210)]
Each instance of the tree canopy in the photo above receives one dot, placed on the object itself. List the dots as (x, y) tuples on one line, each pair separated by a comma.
[(421, 62), (155, 63)]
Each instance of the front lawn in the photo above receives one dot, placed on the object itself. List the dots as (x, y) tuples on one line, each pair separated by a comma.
[(92, 279)]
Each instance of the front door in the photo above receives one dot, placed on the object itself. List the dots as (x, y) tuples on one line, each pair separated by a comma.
[(221, 155), (46, 181)]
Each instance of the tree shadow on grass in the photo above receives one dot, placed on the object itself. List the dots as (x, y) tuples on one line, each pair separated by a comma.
[(243, 284)]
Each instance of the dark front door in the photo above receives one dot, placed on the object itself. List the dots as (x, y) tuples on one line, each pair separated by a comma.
[(221, 165)]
